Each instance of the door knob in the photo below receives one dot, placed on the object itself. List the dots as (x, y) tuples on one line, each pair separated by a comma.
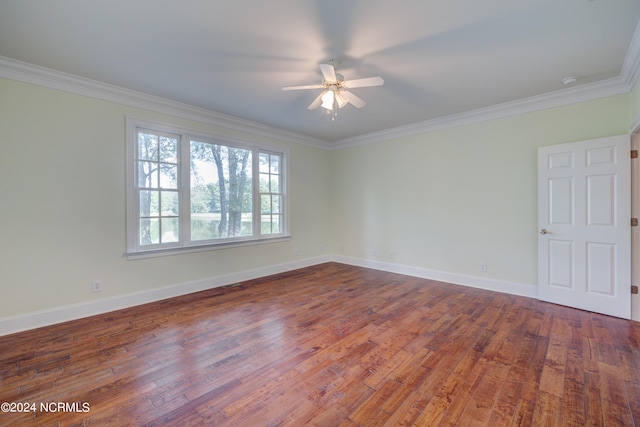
[(544, 231)]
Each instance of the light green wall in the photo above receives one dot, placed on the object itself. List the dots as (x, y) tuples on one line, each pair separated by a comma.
[(62, 204), (634, 107), (451, 199), (444, 200)]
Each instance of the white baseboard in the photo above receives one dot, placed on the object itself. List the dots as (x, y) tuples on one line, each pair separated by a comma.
[(37, 319), (23, 322), (512, 288)]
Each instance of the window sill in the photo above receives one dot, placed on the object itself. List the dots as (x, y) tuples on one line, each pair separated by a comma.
[(154, 253)]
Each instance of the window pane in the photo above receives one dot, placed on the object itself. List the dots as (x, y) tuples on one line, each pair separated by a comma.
[(149, 231), (147, 146), (265, 226), (169, 203), (168, 150), (246, 228), (275, 184), (275, 164), (265, 204), (264, 183), (149, 203), (205, 192), (204, 226), (221, 191), (275, 204), (168, 176), (169, 230), (264, 163), (275, 224), (147, 175)]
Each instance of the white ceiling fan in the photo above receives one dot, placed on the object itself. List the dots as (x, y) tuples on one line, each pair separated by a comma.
[(336, 93)]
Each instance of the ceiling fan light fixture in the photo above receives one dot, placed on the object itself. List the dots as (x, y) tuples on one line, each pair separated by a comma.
[(336, 93), (327, 100), (333, 99)]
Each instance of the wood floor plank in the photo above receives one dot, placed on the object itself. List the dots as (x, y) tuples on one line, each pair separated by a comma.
[(330, 345), (480, 407), (573, 413), (594, 415), (546, 411), (456, 390), (553, 372), (504, 408), (631, 374), (615, 405), (523, 414)]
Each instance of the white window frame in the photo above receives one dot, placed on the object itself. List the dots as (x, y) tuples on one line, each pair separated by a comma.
[(184, 244)]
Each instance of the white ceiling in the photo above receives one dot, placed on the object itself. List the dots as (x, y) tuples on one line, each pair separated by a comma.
[(438, 57)]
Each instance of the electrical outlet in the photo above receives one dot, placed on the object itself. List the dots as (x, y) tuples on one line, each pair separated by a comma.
[(96, 286), (483, 267)]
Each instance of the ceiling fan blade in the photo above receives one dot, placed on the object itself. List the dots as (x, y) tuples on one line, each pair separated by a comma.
[(316, 102), (352, 98), (369, 81), (329, 73), (342, 100), (303, 87)]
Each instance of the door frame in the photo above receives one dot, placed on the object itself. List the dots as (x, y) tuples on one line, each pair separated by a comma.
[(635, 231)]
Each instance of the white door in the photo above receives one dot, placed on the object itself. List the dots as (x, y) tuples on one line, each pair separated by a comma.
[(584, 230)]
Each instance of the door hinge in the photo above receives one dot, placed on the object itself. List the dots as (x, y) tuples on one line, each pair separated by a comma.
[(634, 289), (634, 154), (634, 222)]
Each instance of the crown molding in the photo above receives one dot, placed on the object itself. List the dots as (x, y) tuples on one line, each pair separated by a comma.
[(46, 77), (624, 83), (631, 65), (587, 92), (41, 76)]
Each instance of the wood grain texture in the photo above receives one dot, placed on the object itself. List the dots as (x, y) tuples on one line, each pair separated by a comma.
[(330, 345)]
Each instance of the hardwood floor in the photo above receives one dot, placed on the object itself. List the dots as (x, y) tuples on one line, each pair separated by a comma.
[(329, 345)]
